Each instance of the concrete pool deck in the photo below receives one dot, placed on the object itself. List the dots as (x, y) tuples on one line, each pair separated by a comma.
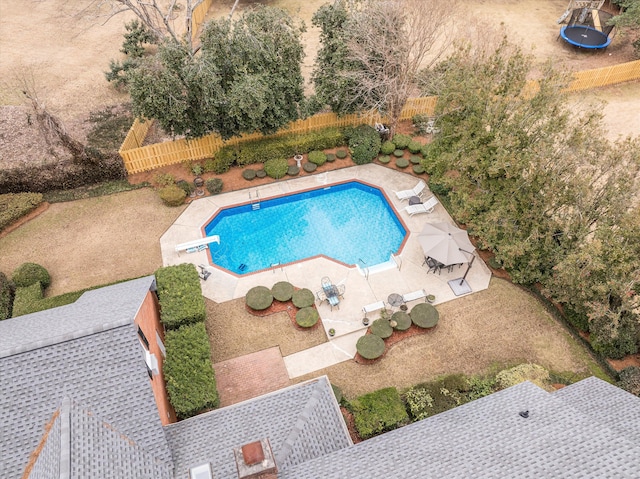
[(402, 276)]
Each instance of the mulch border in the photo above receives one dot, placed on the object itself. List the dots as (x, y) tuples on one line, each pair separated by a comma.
[(289, 308)]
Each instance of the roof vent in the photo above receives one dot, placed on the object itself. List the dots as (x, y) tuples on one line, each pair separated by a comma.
[(524, 414), (255, 460), (202, 471)]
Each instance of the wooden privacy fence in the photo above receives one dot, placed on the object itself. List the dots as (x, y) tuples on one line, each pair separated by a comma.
[(143, 158), (139, 158), (197, 17)]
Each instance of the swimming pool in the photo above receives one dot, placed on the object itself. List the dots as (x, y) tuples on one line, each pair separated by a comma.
[(350, 222)]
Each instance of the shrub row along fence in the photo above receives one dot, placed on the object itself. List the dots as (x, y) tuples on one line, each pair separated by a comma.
[(138, 158)]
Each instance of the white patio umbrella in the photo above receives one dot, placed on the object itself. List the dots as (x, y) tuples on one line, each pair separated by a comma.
[(445, 243)]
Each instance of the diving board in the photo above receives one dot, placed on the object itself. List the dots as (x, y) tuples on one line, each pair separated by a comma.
[(197, 243)]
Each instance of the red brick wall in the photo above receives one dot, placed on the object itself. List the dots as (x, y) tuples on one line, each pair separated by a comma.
[(148, 320)]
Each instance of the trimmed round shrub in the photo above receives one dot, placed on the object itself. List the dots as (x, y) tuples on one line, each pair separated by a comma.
[(341, 154), (261, 174), (424, 315), (381, 328), (187, 187), (402, 162), (172, 195), (30, 273), (398, 153), (293, 171), (317, 157), (387, 148), (418, 169), (282, 291), (214, 185), (370, 346), (331, 157), (384, 159), (401, 141), (276, 168), (415, 159), (307, 317), (309, 167), (303, 298), (402, 320), (259, 298), (414, 147), (249, 174)]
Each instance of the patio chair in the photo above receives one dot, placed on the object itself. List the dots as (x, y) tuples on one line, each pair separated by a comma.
[(433, 265), (415, 191), (426, 207)]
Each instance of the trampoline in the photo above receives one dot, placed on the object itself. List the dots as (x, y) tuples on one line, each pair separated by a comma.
[(588, 29)]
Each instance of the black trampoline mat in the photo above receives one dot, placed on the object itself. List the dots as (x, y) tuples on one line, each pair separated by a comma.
[(586, 36)]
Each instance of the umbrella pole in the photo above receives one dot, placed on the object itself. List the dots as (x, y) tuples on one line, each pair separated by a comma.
[(473, 257)]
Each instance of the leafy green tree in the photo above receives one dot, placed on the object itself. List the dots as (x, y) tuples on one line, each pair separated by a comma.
[(246, 78), (372, 50), (629, 19), (137, 36), (508, 152)]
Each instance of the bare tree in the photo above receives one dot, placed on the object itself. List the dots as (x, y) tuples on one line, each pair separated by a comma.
[(387, 43), (159, 16)]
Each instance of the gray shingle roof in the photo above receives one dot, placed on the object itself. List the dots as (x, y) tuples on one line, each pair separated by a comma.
[(95, 311), (301, 422), (104, 372), (487, 438)]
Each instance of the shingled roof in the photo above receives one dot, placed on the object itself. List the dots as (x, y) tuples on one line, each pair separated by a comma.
[(302, 422), (100, 365)]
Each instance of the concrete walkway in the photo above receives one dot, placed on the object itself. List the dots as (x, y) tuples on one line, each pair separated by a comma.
[(404, 274)]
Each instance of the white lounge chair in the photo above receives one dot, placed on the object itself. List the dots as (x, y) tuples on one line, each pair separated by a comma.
[(426, 207), (414, 295), (415, 191), (370, 308)]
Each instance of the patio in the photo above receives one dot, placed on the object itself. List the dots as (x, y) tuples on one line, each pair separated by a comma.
[(403, 275)]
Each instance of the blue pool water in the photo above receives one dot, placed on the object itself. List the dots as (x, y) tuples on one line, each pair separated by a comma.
[(350, 222)]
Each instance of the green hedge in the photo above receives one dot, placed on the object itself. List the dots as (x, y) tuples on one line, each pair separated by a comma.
[(188, 371), (30, 273), (268, 148), (378, 412), (27, 299), (14, 206), (7, 291), (364, 144), (180, 296)]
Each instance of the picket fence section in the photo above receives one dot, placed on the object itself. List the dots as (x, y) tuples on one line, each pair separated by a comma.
[(197, 17), (139, 158)]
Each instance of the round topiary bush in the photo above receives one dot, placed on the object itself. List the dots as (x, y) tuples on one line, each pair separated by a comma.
[(387, 148), (261, 174), (249, 174), (172, 195), (293, 171), (418, 169), (384, 159), (370, 346), (303, 298), (307, 317), (282, 291), (381, 328), (398, 153), (401, 141), (317, 157), (402, 319), (309, 167), (214, 185), (414, 147), (331, 157), (276, 168), (402, 162), (259, 298), (415, 159), (341, 154), (424, 315), (30, 273)]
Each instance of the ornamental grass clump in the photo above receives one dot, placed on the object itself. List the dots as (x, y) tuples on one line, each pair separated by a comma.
[(370, 346), (303, 298), (259, 298), (307, 317), (282, 291)]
